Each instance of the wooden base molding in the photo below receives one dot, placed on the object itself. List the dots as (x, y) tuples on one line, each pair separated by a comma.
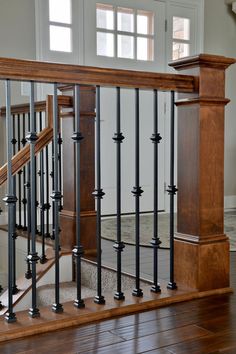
[(202, 266), (50, 321)]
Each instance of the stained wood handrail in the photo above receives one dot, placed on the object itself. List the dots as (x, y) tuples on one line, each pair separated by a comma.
[(44, 137), (39, 106), (27, 70)]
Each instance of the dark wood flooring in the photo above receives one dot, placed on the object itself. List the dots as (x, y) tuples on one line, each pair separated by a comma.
[(200, 326)]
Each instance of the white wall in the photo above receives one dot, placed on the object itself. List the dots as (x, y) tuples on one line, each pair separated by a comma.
[(17, 40), (220, 38)]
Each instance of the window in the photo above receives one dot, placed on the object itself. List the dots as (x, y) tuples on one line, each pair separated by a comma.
[(123, 32), (60, 32), (180, 37)]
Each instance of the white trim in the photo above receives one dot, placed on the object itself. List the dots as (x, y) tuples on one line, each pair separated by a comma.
[(230, 201)]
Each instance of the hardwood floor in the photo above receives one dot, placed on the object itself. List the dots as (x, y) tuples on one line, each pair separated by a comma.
[(200, 326)]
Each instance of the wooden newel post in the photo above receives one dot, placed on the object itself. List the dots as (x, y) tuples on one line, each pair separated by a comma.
[(201, 248), (87, 173)]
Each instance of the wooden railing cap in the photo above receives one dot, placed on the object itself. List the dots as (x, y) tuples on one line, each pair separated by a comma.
[(203, 60), (28, 70)]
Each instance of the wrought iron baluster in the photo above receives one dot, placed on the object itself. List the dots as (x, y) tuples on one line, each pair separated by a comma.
[(56, 197), (10, 201), (53, 206), (24, 200), (172, 191), (14, 142), (36, 184), (33, 255), (43, 257), (28, 274), (98, 194), (19, 175), (155, 242), (137, 191), (119, 245), (60, 141), (14, 234), (78, 249), (47, 205), (1, 288)]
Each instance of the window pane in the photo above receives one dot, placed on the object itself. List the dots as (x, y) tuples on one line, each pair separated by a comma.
[(60, 39), (125, 19), (180, 50), (145, 22), (105, 16), (105, 44), (125, 46), (60, 11), (181, 28), (145, 48)]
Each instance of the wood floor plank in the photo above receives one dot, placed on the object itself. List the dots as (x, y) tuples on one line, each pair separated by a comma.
[(206, 345), (61, 343), (153, 341), (164, 324)]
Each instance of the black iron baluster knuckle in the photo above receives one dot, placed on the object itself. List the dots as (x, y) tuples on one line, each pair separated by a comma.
[(98, 195), (172, 191), (137, 192)]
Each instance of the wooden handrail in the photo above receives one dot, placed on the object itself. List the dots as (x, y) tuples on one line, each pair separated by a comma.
[(44, 137), (27, 70), (39, 106)]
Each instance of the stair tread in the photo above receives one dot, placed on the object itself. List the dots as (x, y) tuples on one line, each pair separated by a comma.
[(68, 292)]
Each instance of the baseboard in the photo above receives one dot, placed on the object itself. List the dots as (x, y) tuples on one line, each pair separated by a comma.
[(230, 201)]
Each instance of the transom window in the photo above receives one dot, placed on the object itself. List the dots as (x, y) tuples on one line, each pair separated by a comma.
[(124, 32)]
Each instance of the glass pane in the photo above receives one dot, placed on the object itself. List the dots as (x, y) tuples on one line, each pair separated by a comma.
[(105, 16), (60, 39), (125, 19), (145, 22), (60, 11), (105, 44), (181, 28), (180, 50), (125, 46), (145, 48)]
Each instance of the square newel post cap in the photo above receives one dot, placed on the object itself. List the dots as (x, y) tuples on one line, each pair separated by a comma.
[(203, 60), (210, 72)]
